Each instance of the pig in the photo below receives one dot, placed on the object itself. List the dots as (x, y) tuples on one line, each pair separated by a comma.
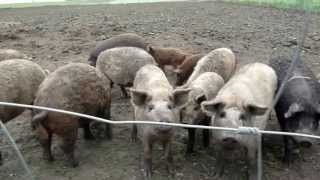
[(121, 40), (221, 61), (298, 108), (184, 70), (121, 64), (204, 88), (76, 87), (242, 101), (154, 99), (19, 81), (167, 56), (11, 54)]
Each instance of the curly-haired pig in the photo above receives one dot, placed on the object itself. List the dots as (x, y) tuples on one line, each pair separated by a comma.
[(154, 99), (19, 81), (76, 87), (204, 88), (11, 54), (184, 70), (121, 64), (168, 56), (221, 61), (298, 108), (242, 101), (121, 40)]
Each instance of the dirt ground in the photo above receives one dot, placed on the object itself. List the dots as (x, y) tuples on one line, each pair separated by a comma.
[(55, 36)]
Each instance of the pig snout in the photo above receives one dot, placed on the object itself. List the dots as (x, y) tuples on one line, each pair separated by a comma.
[(164, 128), (230, 143)]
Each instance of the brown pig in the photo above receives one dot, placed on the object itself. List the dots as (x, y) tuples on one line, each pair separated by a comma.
[(185, 69), (76, 87), (167, 56)]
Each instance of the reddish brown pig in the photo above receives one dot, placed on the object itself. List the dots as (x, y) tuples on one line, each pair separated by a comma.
[(75, 87), (167, 56), (185, 69)]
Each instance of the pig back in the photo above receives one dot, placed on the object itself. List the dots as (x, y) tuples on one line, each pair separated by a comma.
[(20, 80)]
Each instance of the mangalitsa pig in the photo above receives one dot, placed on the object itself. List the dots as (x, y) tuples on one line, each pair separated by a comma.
[(154, 99), (203, 88), (298, 108), (221, 61), (76, 87), (19, 80), (120, 65), (242, 101)]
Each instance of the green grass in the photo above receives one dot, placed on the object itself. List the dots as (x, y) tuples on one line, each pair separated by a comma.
[(312, 5)]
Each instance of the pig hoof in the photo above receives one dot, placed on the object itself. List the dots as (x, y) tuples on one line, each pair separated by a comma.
[(49, 159), (74, 164), (147, 175), (89, 137), (133, 139)]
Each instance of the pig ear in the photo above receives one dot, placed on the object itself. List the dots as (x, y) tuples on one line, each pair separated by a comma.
[(138, 97), (150, 49), (181, 97), (200, 98), (255, 109), (212, 107), (294, 108)]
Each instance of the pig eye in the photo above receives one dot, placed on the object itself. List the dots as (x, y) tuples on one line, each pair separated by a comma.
[(150, 107), (222, 114), (242, 117), (170, 106), (196, 108)]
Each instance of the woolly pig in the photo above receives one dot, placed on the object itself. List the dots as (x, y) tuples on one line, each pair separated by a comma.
[(74, 87), (221, 61), (167, 56), (204, 88), (11, 54), (185, 69), (122, 40), (154, 99), (19, 80), (242, 101), (121, 64), (298, 108)]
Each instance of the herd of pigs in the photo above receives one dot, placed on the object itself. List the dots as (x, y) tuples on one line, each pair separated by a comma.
[(210, 90)]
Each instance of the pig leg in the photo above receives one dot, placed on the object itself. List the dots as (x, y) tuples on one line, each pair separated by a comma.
[(147, 148), (252, 163), (108, 130), (168, 155), (124, 91), (68, 146), (87, 132), (206, 135), (191, 140), (134, 132), (45, 139), (288, 150), (220, 163)]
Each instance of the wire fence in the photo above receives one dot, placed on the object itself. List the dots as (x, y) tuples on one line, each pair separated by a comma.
[(241, 130)]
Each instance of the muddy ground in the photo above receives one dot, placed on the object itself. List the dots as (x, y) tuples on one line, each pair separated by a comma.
[(54, 36)]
